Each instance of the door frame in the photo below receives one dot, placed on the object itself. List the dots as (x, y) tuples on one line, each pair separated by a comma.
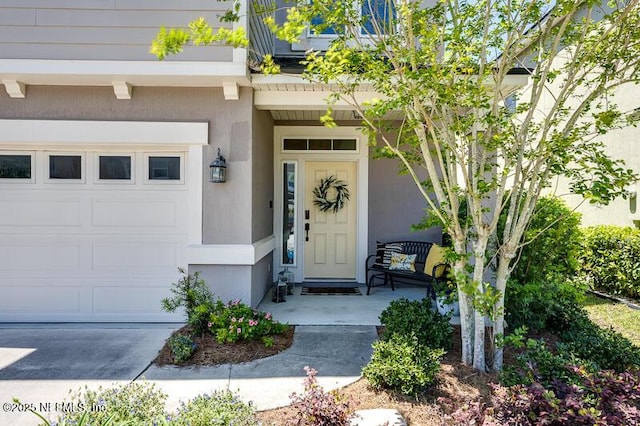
[(299, 158)]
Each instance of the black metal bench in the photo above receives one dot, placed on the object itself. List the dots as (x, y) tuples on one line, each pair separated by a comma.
[(378, 272)]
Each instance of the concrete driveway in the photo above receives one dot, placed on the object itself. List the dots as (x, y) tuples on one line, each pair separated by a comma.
[(41, 363)]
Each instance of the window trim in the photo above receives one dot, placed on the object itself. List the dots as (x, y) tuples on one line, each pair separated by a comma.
[(130, 181), (83, 166), (296, 249), (328, 37), (331, 151), (32, 179), (148, 155)]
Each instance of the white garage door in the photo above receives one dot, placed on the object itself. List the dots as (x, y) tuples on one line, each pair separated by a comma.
[(91, 235)]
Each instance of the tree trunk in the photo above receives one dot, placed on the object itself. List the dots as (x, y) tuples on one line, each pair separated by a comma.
[(479, 250), (502, 275), (466, 306)]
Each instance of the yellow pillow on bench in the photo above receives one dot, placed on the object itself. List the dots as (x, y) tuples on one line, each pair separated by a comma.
[(402, 262), (435, 257)]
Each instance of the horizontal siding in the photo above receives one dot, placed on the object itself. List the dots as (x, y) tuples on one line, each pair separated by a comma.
[(118, 19), (17, 17), (118, 4), (101, 29), (60, 4), (114, 52), (173, 4)]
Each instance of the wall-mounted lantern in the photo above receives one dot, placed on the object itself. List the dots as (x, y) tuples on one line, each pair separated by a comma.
[(218, 169)]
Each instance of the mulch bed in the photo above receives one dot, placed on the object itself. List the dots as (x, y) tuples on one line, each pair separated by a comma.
[(209, 352)]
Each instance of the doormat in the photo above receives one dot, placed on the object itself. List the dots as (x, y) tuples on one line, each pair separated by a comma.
[(331, 291)]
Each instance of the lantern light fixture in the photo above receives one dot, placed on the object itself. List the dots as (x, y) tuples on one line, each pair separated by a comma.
[(218, 169)]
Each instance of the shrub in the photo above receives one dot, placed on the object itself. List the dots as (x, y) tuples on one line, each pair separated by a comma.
[(132, 403), (543, 306), (539, 364), (404, 317), (583, 343), (403, 364), (605, 347), (599, 398), (316, 407), (236, 321), (611, 260), (553, 243), (221, 408), (182, 347), (192, 294)]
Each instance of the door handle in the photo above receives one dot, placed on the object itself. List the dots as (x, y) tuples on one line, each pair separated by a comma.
[(306, 231)]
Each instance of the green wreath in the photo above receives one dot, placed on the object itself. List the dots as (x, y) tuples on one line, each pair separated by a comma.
[(320, 193)]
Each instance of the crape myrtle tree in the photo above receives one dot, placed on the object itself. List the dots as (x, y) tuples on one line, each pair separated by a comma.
[(474, 149)]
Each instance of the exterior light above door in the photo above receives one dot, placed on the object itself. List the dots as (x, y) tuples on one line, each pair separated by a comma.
[(218, 169)]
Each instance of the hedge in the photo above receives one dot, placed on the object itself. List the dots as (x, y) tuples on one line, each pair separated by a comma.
[(611, 260)]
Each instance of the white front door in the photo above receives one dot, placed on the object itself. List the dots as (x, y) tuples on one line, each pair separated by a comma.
[(330, 237)]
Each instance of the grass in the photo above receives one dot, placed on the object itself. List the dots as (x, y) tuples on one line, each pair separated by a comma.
[(609, 313)]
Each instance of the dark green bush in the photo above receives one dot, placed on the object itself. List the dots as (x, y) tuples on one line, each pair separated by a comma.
[(543, 306), (182, 347), (604, 347), (540, 364), (582, 343), (403, 364), (552, 246), (405, 317), (611, 260)]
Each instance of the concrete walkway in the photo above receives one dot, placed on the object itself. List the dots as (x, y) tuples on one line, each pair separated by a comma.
[(41, 363)]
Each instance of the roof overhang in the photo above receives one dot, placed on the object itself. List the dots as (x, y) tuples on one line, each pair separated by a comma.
[(18, 74), (293, 92)]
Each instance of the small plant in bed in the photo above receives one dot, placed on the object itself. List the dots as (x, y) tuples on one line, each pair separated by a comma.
[(236, 321), (218, 332), (182, 347)]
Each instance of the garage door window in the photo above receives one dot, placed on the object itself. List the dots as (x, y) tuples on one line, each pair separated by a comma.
[(164, 168), (114, 167), (15, 166), (65, 167)]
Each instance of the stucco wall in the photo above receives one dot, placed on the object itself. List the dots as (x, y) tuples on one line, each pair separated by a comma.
[(262, 187), (394, 205), (227, 282), (261, 279), (620, 144), (227, 206)]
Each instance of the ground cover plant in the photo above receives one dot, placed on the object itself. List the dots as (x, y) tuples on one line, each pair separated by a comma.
[(143, 403), (218, 408)]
